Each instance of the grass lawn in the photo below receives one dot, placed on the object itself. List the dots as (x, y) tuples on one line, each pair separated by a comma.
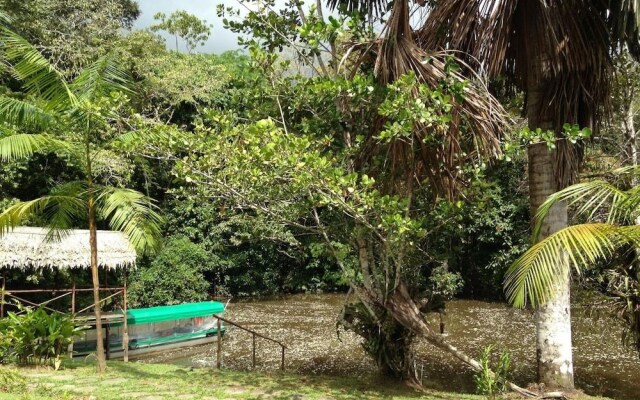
[(159, 381)]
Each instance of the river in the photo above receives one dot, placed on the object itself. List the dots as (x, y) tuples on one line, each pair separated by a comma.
[(307, 325)]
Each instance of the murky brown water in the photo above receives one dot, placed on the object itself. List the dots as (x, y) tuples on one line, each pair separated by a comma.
[(307, 324)]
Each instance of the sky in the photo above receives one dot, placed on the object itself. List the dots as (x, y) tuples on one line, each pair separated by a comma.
[(220, 39)]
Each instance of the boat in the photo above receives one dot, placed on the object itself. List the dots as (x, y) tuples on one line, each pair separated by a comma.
[(151, 330)]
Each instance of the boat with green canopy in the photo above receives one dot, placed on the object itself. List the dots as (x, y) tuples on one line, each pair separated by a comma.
[(155, 329)]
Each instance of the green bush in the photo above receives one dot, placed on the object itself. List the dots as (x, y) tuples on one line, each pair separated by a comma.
[(175, 276), (35, 337), (247, 255)]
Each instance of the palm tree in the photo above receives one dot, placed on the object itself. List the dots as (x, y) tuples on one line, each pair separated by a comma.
[(611, 234), (74, 120), (558, 53)]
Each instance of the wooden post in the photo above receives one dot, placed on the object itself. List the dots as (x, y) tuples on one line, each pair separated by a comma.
[(219, 355), (125, 327), (254, 351), (73, 313), (107, 331), (73, 298), (4, 283), (441, 322)]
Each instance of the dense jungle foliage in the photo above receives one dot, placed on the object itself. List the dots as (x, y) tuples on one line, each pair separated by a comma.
[(308, 160), (239, 255)]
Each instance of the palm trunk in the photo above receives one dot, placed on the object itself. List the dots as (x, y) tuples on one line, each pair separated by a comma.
[(101, 364), (553, 319)]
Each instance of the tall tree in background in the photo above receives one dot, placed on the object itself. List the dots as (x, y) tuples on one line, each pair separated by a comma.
[(194, 31), (625, 108), (74, 120), (559, 54)]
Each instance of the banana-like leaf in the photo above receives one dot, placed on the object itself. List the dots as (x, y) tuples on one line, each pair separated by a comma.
[(133, 213), (531, 279), (59, 212), (23, 145)]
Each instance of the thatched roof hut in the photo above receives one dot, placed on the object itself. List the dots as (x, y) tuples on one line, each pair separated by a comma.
[(26, 247)]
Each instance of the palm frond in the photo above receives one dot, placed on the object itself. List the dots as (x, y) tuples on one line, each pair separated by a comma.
[(100, 78), (59, 212), (366, 7), (133, 213), (592, 197), (624, 22), (23, 145), (626, 173), (26, 115), (558, 49), (531, 279), (478, 119), (39, 76), (5, 19)]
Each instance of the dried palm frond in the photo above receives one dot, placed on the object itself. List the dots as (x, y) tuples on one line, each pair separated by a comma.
[(624, 22), (478, 120), (556, 50), (373, 7)]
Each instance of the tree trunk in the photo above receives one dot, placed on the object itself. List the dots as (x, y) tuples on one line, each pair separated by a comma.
[(101, 364), (553, 319), (406, 312)]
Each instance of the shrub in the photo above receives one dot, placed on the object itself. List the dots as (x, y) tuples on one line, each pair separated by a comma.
[(490, 383), (175, 276), (35, 337)]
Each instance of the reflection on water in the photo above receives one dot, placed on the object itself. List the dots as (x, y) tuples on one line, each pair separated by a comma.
[(307, 324)]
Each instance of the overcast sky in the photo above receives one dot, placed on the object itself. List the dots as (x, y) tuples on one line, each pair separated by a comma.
[(220, 39)]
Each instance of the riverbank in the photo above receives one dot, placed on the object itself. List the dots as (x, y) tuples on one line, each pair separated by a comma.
[(307, 325), (79, 381)]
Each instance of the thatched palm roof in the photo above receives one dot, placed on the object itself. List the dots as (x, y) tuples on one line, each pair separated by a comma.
[(26, 247)]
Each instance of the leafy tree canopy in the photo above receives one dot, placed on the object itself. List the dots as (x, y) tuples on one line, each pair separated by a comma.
[(194, 31), (71, 34)]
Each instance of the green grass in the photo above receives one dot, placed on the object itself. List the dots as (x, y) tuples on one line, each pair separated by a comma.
[(159, 381), (79, 381)]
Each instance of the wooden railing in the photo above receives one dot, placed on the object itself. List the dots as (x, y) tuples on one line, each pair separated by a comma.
[(254, 335)]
